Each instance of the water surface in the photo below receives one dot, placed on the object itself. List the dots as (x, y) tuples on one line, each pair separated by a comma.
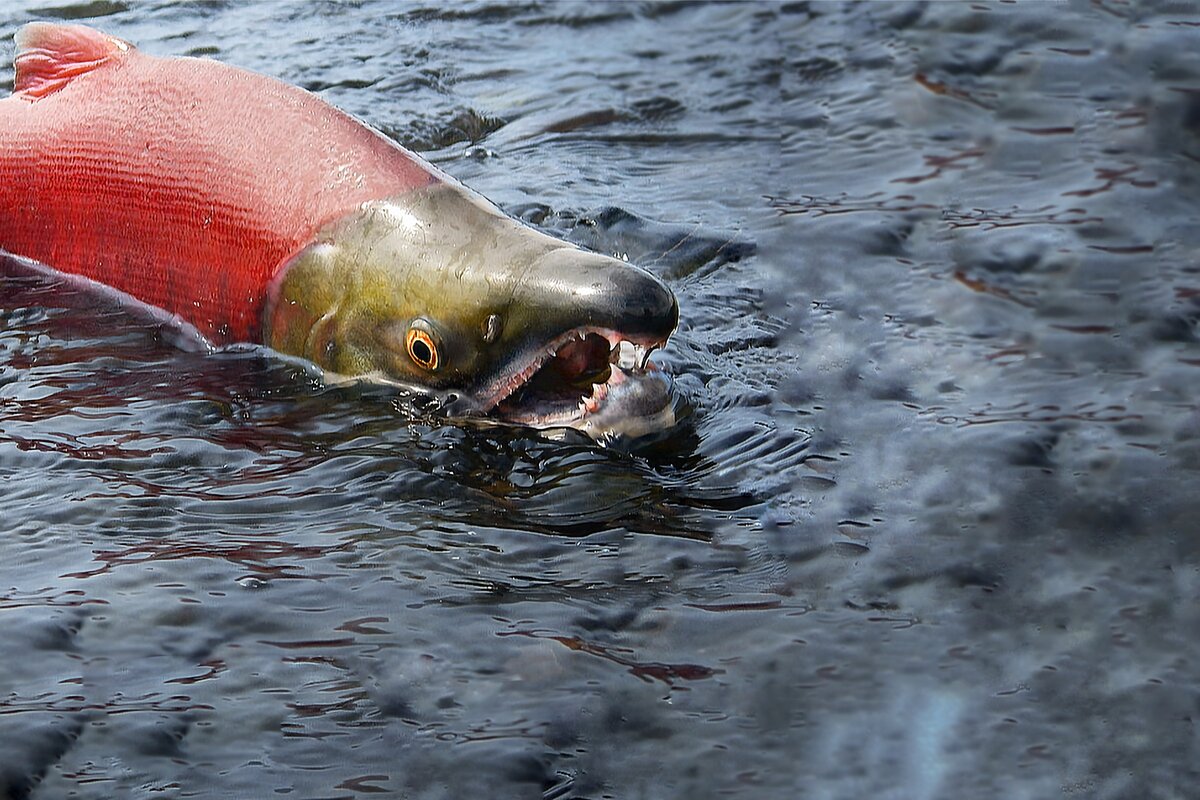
[(929, 533)]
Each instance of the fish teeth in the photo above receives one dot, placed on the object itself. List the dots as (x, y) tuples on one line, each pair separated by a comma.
[(627, 355), (591, 404), (641, 356)]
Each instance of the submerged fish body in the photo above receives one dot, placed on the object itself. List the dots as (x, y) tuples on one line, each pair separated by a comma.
[(256, 212)]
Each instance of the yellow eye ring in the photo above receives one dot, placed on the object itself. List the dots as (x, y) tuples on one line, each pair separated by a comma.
[(421, 348)]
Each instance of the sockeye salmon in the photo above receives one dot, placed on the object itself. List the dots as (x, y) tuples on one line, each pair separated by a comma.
[(257, 212)]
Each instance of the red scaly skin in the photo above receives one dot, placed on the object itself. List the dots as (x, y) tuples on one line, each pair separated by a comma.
[(183, 182)]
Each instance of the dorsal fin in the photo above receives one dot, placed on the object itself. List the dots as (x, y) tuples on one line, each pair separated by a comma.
[(50, 55)]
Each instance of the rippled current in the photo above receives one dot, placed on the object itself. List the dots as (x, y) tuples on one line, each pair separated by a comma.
[(930, 531)]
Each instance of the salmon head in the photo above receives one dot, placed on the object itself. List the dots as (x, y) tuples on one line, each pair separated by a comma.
[(436, 290)]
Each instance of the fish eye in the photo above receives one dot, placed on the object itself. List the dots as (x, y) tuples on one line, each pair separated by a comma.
[(421, 348)]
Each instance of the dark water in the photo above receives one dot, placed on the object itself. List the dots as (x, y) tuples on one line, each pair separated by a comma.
[(930, 533)]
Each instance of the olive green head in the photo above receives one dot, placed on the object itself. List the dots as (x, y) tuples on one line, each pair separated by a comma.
[(439, 291)]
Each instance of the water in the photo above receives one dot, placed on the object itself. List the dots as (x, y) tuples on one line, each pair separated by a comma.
[(930, 532)]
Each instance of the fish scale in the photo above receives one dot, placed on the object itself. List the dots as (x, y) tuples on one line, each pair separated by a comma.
[(185, 183), (253, 211)]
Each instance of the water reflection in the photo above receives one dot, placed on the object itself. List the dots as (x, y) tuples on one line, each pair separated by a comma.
[(646, 670), (929, 519)]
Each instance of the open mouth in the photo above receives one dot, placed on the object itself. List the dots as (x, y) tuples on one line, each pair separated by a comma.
[(573, 378)]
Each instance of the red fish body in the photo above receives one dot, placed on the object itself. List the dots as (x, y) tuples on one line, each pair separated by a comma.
[(183, 182), (258, 213)]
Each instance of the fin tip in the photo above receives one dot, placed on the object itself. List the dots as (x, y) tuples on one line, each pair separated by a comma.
[(50, 54)]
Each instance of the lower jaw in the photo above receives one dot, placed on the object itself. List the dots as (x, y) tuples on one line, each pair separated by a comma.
[(629, 404)]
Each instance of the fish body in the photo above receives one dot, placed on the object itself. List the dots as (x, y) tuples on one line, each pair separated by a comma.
[(257, 212), (176, 180)]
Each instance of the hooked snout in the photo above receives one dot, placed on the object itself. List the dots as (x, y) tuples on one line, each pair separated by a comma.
[(602, 292)]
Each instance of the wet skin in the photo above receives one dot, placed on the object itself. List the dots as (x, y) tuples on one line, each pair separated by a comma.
[(331, 243), (439, 291)]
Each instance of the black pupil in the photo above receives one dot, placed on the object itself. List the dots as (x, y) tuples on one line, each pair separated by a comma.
[(421, 352)]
